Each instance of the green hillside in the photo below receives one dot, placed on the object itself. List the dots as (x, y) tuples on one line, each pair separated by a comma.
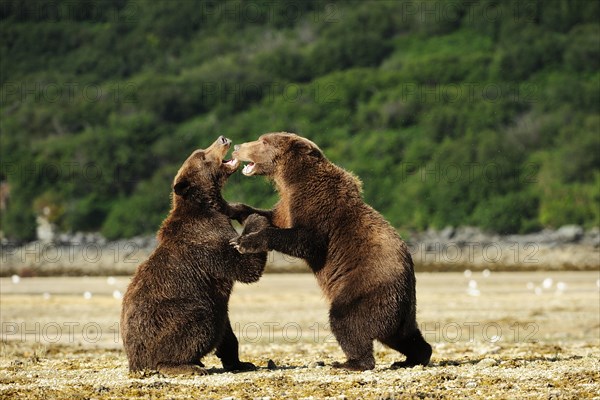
[(452, 113)]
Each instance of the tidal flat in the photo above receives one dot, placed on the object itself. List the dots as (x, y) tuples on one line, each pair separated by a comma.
[(495, 335)]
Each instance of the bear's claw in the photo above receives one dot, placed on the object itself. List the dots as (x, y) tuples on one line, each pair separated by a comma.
[(235, 244), (249, 243)]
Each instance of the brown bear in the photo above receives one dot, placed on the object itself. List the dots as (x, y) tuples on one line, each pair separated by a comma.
[(362, 265), (175, 309)]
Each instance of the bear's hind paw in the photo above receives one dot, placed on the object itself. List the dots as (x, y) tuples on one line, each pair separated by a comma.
[(181, 369), (240, 367), (354, 365)]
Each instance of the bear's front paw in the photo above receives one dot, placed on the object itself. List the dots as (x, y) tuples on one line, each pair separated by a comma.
[(250, 243), (237, 211), (255, 223)]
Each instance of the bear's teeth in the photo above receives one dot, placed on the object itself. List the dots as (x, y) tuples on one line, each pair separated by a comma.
[(248, 168)]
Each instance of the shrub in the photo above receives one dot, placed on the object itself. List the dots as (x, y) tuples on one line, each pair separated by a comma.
[(510, 213), (143, 211), (525, 49), (353, 49), (582, 53), (18, 221), (571, 204)]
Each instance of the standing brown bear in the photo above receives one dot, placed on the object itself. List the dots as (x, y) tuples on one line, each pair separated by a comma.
[(360, 262), (175, 308)]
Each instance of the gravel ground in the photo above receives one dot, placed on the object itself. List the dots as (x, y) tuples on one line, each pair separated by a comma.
[(495, 335)]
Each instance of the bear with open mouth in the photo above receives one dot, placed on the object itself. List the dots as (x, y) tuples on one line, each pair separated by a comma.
[(175, 309), (362, 265)]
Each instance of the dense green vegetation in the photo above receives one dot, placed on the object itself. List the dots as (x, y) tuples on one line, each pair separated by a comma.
[(452, 113)]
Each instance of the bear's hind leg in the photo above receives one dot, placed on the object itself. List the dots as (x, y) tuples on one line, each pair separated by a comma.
[(227, 351), (359, 354), (357, 346), (413, 346)]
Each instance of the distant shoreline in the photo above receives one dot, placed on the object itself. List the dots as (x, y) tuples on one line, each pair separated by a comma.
[(569, 248)]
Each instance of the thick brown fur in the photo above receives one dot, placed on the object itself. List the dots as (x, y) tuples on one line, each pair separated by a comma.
[(175, 308), (360, 262)]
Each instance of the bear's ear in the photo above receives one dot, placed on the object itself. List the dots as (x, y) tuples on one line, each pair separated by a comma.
[(316, 153), (306, 148), (181, 187)]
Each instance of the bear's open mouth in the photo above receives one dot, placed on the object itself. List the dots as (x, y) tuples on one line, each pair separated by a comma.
[(230, 165), (248, 169)]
